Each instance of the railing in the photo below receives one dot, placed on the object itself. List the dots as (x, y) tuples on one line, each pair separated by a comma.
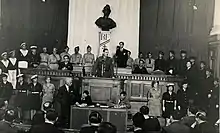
[(67, 73)]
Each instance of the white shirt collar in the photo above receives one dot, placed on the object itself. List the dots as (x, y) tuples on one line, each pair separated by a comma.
[(49, 122), (146, 117), (24, 52), (5, 63)]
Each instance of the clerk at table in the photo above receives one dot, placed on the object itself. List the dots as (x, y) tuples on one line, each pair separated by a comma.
[(122, 102)]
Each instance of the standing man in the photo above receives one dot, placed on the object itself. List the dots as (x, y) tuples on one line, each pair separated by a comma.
[(103, 66), (34, 57), (64, 53), (5, 89), (88, 58), (182, 63), (171, 63), (4, 63), (121, 56), (67, 95), (44, 56), (76, 58)]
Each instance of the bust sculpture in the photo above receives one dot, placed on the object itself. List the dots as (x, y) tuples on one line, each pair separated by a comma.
[(105, 23)]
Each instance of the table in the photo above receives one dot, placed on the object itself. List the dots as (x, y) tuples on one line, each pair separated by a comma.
[(79, 116)]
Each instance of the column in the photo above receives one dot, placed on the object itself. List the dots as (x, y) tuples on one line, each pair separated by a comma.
[(216, 22)]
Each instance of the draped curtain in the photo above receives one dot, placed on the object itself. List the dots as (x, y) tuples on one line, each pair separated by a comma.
[(174, 25), (83, 31)]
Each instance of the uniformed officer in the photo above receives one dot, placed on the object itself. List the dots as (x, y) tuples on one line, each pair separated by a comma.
[(65, 52), (35, 90), (54, 59), (22, 56), (44, 56), (172, 63), (34, 58), (22, 95), (182, 62), (66, 65), (76, 58), (183, 99), (150, 63), (160, 62), (103, 66), (88, 58), (5, 89), (4, 63), (121, 56), (130, 61)]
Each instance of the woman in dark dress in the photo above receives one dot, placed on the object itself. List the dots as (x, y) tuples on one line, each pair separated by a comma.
[(169, 102), (21, 99)]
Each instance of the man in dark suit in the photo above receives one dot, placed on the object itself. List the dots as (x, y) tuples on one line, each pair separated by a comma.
[(5, 89), (150, 123), (191, 116), (48, 126), (138, 121), (34, 57), (140, 69), (122, 55), (182, 62), (67, 95), (95, 119), (65, 65), (6, 119)]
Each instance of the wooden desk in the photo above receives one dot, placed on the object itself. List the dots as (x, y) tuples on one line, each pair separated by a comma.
[(118, 117), (102, 89)]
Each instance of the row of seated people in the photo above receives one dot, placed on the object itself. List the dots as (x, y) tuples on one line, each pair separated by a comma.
[(194, 122), (32, 96)]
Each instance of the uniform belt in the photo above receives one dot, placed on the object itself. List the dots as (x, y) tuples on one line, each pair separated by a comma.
[(34, 92), (170, 101), (22, 91)]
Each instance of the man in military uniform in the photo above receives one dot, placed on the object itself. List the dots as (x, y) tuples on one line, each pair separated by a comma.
[(76, 58), (44, 58), (183, 99), (172, 64), (103, 66), (65, 52), (66, 65), (4, 63), (6, 89), (34, 58), (160, 62), (88, 58), (182, 62), (121, 56)]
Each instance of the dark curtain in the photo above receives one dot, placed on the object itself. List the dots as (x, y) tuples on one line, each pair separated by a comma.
[(35, 22), (174, 25)]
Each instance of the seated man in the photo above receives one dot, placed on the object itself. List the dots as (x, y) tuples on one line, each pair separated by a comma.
[(95, 119), (191, 116), (6, 118), (176, 126), (47, 127), (121, 102), (85, 100), (150, 124), (66, 65), (138, 121), (140, 69), (106, 127)]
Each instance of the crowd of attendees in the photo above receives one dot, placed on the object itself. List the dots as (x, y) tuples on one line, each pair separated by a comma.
[(178, 108)]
